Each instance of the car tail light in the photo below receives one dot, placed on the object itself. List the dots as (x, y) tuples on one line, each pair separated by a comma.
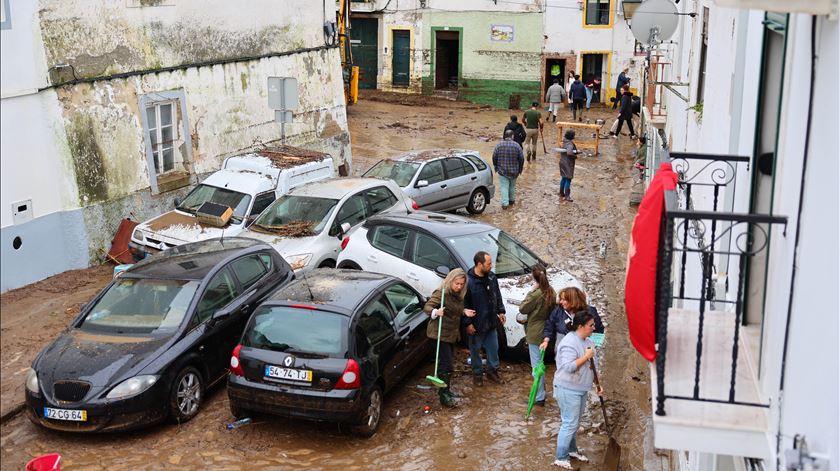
[(414, 205), (344, 242), (351, 378), (235, 366)]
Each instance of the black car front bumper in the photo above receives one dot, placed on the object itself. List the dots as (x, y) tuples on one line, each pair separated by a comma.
[(337, 405)]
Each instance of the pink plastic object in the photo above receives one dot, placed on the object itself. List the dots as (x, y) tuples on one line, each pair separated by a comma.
[(45, 463)]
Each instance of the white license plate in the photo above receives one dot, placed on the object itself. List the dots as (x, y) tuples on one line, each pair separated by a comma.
[(65, 414), (288, 373)]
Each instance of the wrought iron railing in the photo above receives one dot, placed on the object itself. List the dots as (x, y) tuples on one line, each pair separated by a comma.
[(710, 234)]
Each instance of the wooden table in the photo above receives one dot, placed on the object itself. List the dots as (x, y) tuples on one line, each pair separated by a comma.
[(583, 145)]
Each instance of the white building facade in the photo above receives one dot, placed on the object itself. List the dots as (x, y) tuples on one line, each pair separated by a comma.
[(114, 108), (746, 375)]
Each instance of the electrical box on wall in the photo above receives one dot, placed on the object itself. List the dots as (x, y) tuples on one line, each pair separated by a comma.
[(22, 211)]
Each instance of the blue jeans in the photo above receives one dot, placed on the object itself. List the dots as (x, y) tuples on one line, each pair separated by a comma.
[(490, 341), (534, 353), (572, 404), (588, 97), (508, 189), (565, 186)]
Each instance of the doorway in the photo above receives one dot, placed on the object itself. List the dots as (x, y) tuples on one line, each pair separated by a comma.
[(365, 47), (447, 48), (594, 66), (554, 69), (400, 45)]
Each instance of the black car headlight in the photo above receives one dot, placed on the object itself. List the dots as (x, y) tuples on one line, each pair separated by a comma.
[(32, 381), (132, 386)]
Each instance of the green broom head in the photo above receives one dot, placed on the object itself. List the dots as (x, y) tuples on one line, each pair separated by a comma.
[(436, 382)]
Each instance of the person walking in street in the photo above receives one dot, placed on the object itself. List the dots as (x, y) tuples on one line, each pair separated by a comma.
[(508, 163), (572, 381), (518, 131), (554, 97), (625, 113), (569, 81), (537, 305), (622, 80), (483, 312), (569, 301), (449, 316), (578, 91), (593, 87), (568, 156), (533, 123)]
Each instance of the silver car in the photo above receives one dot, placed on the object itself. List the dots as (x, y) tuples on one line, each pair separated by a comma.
[(440, 179)]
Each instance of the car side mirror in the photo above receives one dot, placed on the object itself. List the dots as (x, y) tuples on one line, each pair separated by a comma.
[(343, 230), (422, 183), (176, 202), (442, 271), (220, 315)]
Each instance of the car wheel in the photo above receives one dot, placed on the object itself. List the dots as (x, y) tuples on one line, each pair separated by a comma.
[(367, 426), (478, 201), (327, 264), (350, 265), (187, 395)]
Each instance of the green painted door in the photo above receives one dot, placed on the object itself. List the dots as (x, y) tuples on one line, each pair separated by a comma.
[(363, 37), (399, 65)]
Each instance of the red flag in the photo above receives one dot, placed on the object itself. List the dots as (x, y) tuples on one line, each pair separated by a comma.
[(640, 279)]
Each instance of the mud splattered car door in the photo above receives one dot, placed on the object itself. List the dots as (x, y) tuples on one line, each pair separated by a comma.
[(376, 342)]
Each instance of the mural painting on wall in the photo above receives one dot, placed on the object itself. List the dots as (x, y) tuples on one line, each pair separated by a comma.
[(501, 33)]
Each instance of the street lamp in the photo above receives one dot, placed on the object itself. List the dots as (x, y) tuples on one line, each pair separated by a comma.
[(628, 7)]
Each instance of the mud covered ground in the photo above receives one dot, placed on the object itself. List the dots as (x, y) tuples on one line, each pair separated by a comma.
[(487, 431)]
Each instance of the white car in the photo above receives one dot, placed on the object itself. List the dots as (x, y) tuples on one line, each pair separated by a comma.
[(246, 183), (306, 226), (421, 247)]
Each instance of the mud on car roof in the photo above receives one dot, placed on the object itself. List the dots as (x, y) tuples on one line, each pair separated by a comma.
[(334, 289), (431, 154), (444, 225), (191, 261), (287, 156)]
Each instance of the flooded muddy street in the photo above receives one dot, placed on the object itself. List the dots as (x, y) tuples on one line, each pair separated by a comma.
[(488, 430)]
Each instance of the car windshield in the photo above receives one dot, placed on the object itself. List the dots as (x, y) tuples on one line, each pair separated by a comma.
[(510, 258), (203, 193), (400, 172), (297, 330), (296, 215), (141, 306)]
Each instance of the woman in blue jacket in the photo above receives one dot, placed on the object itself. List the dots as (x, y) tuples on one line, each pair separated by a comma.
[(569, 301)]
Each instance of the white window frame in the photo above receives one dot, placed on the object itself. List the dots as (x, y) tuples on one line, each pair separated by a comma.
[(159, 147), (180, 129)]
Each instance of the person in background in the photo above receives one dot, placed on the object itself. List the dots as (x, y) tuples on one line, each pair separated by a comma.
[(592, 87), (625, 113), (569, 301), (568, 156), (622, 80), (569, 81), (641, 153), (537, 304), (518, 131), (508, 162), (572, 381), (484, 310), (578, 91), (449, 316), (554, 96), (533, 123)]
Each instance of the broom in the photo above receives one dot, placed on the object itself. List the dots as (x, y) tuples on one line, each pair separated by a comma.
[(437, 382)]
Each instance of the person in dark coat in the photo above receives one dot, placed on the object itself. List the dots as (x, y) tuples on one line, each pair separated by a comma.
[(517, 128), (484, 310), (449, 317), (568, 156), (623, 80), (578, 92), (569, 301), (625, 113)]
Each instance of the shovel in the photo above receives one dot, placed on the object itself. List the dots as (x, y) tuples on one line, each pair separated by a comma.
[(542, 136), (613, 455), (437, 382)]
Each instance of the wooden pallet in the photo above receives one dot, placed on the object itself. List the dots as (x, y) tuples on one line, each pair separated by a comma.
[(580, 142)]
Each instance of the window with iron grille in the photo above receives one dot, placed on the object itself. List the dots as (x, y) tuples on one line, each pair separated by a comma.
[(597, 12)]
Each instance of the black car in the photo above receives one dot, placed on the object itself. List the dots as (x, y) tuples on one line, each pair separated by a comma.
[(327, 347), (150, 343)]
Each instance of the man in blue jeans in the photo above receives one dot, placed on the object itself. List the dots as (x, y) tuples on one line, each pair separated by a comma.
[(483, 311), (508, 161)]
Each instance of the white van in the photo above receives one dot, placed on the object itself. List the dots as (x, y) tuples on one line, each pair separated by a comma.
[(246, 184)]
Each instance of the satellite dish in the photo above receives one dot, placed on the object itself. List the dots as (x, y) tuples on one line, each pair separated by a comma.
[(654, 21)]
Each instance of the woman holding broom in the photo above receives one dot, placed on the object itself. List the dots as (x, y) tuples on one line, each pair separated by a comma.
[(446, 319), (536, 307)]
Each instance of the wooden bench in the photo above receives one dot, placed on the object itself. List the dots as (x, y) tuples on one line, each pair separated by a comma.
[(581, 145)]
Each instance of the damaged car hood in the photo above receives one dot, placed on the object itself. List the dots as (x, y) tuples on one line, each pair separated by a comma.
[(176, 227)]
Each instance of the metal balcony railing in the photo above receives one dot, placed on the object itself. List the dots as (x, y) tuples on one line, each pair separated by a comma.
[(710, 235)]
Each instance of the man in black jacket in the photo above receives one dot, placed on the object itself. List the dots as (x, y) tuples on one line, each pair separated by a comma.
[(484, 310), (625, 113), (517, 128)]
